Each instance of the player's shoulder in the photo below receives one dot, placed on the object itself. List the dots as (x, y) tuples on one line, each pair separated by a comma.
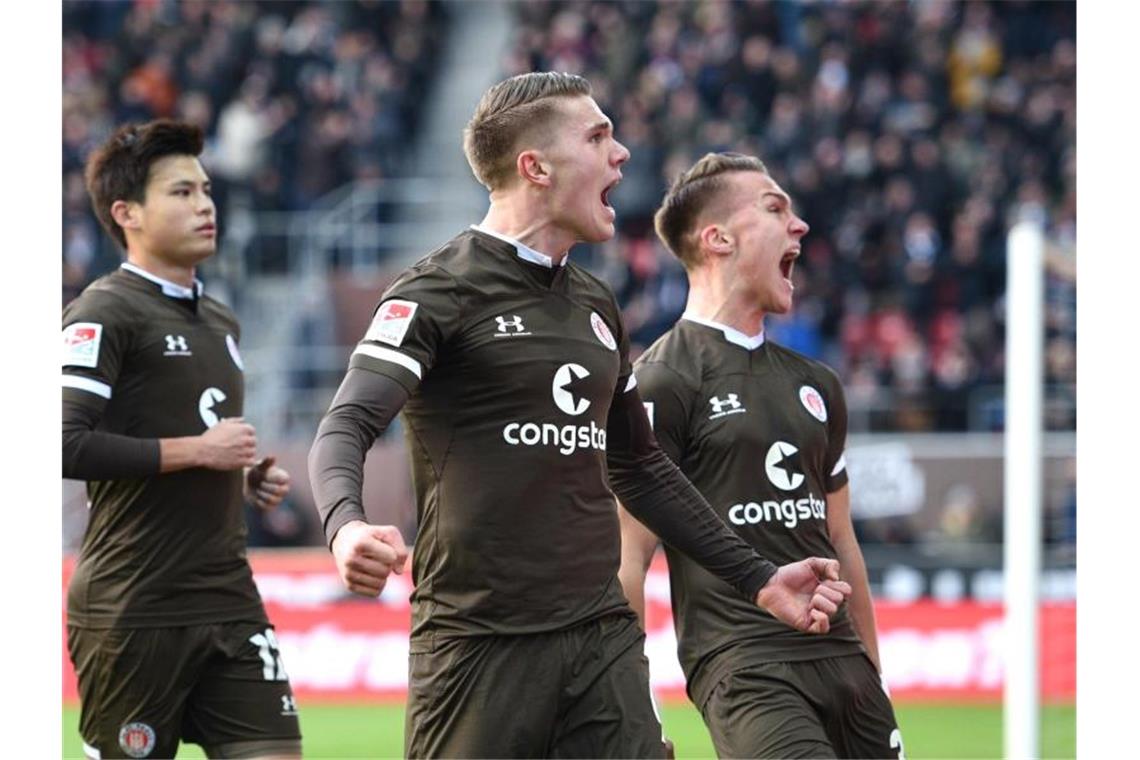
[(586, 286), (805, 366), (677, 356), (219, 313), (447, 267), (583, 278), (109, 298)]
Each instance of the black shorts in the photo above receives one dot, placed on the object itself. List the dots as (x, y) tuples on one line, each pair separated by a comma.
[(144, 690), (582, 692), (830, 708)]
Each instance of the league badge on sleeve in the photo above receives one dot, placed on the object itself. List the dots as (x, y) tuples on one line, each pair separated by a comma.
[(81, 344), (602, 331), (392, 321), (813, 402)]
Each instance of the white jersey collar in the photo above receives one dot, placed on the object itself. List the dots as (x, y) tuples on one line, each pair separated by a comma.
[(526, 253), (172, 289), (731, 334)]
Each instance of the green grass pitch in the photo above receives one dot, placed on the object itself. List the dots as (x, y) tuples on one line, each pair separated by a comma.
[(929, 731)]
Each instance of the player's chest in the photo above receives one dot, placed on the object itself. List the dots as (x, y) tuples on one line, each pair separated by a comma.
[(756, 419), (180, 363), (527, 344)]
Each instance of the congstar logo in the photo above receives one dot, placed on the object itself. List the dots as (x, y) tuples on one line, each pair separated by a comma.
[(567, 391), (790, 512)]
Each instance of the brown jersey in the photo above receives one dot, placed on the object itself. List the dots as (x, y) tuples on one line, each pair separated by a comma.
[(167, 549), (760, 430), (511, 366)]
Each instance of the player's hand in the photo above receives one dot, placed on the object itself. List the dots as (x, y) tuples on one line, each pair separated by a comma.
[(365, 555), (229, 445), (266, 484), (805, 594)]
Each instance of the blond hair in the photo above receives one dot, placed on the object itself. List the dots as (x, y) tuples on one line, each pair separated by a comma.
[(511, 111), (692, 193)]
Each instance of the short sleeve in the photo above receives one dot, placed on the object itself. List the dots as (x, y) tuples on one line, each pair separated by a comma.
[(415, 317), (835, 462), (96, 338), (668, 403)]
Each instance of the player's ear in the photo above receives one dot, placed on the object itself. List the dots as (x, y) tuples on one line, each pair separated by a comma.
[(533, 167), (715, 240), (127, 214)]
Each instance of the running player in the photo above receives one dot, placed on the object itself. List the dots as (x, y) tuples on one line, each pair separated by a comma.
[(165, 626)]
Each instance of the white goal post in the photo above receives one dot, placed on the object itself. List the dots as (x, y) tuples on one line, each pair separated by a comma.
[(1025, 321)]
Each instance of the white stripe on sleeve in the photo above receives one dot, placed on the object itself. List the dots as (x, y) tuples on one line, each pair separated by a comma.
[(388, 355), (840, 465), (91, 752), (87, 384)]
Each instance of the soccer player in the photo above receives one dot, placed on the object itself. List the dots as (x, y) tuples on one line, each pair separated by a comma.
[(511, 367), (760, 430), (166, 630)]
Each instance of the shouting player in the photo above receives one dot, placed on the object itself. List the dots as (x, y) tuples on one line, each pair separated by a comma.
[(760, 430), (511, 367)]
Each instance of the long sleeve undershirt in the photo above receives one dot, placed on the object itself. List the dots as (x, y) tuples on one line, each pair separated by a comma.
[(90, 454)]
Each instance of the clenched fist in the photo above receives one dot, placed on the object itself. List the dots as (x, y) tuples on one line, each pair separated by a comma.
[(228, 445), (805, 594), (365, 555)]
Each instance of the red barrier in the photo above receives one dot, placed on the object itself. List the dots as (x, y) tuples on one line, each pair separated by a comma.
[(337, 647)]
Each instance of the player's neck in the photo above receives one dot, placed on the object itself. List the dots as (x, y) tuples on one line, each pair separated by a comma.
[(179, 274), (711, 298), (512, 218)]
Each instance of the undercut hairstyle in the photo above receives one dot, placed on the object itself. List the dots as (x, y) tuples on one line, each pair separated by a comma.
[(119, 168), (512, 111), (691, 194)]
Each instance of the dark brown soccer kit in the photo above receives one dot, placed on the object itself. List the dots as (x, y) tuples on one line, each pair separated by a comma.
[(165, 626), (521, 415), (513, 365), (761, 430)]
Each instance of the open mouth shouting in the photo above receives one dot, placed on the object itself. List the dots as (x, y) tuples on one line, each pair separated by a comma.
[(787, 264), (605, 196)]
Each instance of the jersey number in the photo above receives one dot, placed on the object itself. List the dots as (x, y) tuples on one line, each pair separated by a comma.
[(266, 644)]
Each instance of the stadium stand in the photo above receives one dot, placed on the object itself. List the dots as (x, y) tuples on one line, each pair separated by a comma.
[(910, 135)]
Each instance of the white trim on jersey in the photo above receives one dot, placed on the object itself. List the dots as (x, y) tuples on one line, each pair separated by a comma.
[(840, 465), (629, 386), (388, 355), (91, 752), (172, 289), (87, 384), (525, 252), (731, 334)]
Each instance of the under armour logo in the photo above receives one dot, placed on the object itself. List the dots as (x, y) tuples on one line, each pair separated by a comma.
[(288, 704), (719, 406), (515, 321), (176, 344)]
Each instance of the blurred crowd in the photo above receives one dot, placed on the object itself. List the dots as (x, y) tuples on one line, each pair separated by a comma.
[(910, 136), (297, 97)]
